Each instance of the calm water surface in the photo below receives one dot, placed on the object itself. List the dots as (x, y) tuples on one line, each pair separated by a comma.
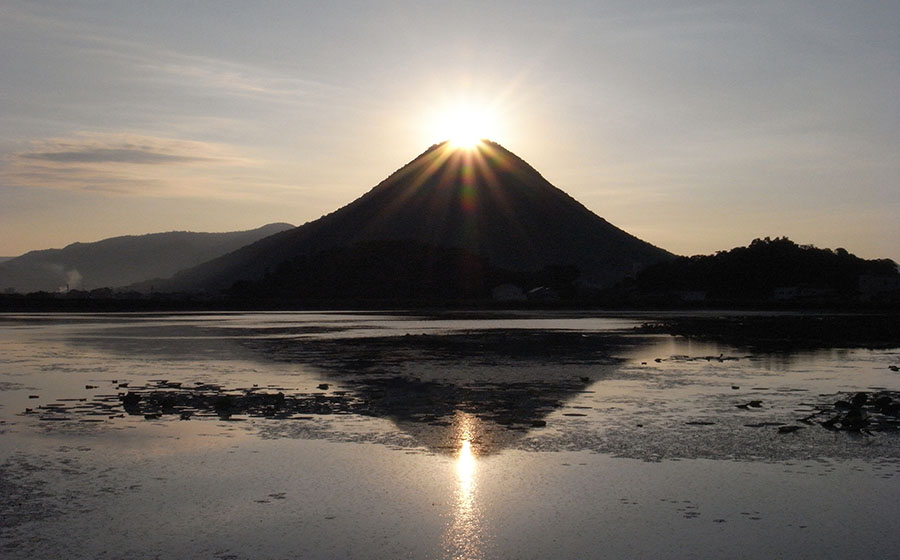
[(403, 436)]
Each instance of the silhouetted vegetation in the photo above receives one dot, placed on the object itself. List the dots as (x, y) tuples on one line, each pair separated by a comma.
[(768, 269), (380, 270), (768, 274), (397, 271)]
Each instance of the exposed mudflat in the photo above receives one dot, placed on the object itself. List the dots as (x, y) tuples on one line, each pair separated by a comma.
[(320, 435)]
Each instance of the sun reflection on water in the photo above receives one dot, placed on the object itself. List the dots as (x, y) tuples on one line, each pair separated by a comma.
[(465, 468), (463, 538)]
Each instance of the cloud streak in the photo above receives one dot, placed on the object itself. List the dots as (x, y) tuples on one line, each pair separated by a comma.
[(205, 75), (128, 164), (149, 63), (110, 155)]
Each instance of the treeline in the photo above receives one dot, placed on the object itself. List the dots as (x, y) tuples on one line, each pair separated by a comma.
[(769, 273), (757, 271), (400, 271)]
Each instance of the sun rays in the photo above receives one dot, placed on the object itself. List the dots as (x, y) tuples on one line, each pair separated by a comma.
[(463, 192)]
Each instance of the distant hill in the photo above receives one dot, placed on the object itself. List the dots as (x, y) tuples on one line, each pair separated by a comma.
[(771, 269), (485, 202), (120, 261)]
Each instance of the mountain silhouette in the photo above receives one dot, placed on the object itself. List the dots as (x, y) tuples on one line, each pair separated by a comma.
[(484, 201), (120, 261)]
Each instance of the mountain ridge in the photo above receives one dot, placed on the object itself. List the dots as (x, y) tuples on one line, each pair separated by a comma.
[(486, 201), (122, 260)]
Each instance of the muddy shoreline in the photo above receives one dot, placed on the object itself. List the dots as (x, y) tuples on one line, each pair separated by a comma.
[(788, 331)]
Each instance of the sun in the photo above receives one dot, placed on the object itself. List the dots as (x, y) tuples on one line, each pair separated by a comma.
[(465, 126)]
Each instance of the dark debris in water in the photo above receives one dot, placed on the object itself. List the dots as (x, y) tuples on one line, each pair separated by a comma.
[(709, 358), (399, 398), (503, 411), (865, 412), (211, 400)]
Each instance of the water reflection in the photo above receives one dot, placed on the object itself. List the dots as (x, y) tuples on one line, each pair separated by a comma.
[(464, 537)]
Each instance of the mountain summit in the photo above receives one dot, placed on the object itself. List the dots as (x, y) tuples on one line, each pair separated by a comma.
[(484, 201)]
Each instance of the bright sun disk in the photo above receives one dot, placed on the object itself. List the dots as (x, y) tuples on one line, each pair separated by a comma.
[(465, 127)]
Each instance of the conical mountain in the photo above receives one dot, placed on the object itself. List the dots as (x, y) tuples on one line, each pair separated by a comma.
[(484, 200)]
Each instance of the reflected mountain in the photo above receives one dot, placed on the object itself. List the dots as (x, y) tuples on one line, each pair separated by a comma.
[(482, 391), (488, 388)]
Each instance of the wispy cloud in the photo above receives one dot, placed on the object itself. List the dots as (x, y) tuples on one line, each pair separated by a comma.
[(109, 155), (127, 164), (228, 78), (154, 62), (205, 74)]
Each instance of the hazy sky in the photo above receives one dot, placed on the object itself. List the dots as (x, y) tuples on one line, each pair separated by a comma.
[(696, 126)]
